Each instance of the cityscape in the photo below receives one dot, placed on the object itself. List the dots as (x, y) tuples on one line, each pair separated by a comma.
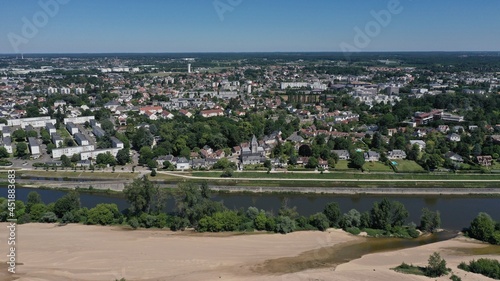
[(238, 140)]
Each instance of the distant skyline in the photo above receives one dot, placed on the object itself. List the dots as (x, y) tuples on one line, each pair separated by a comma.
[(155, 26)]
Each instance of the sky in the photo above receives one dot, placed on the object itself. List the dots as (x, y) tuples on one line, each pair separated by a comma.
[(121, 26)]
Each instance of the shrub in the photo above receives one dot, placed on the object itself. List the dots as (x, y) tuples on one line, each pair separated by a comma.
[(284, 225), (455, 278), (487, 267), (133, 222), (436, 266), (353, 230), (49, 217)]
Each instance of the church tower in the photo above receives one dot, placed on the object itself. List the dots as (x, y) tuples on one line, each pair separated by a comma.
[(254, 146)]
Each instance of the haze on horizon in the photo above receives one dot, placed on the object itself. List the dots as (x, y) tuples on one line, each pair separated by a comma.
[(69, 26)]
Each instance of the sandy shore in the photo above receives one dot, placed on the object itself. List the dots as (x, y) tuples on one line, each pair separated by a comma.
[(78, 252)]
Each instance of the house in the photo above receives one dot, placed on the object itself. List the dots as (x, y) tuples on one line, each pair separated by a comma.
[(397, 154), (371, 156), (72, 128), (322, 164), (50, 128), (34, 146), (6, 131), (420, 143), (453, 137), (295, 138), (485, 160), (253, 154), (343, 154), (116, 143), (186, 113), (151, 109), (198, 163), (57, 140), (112, 105), (212, 113), (183, 164), (98, 132), (443, 129), (167, 115), (453, 157), (7, 143), (81, 139), (167, 158)]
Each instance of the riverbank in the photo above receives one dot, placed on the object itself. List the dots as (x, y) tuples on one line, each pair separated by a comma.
[(79, 252), (353, 183)]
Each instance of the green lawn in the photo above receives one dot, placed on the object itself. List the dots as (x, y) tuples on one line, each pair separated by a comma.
[(376, 167), (343, 165), (408, 166)]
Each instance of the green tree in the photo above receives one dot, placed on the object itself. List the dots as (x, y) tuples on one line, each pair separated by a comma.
[(142, 137), (37, 211), (123, 156), (192, 203), (67, 203), (21, 149), (103, 214), (66, 162), (430, 221), (106, 159), (284, 225), (332, 212), (33, 198), (19, 135), (351, 219), (388, 214), (482, 227), (312, 163), (357, 160), (4, 153), (144, 196), (223, 164), (320, 221), (436, 266)]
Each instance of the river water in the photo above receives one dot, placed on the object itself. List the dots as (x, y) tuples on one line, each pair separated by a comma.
[(456, 211)]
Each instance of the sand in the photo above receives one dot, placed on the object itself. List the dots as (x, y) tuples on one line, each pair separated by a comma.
[(77, 252)]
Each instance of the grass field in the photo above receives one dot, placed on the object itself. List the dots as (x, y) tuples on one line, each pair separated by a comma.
[(376, 167), (97, 175), (408, 166), (343, 165)]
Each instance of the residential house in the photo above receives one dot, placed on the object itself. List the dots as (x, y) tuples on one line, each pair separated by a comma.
[(420, 143), (117, 143), (183, 164), (485, 160), (34, 146), (343, 154), (212, 113), (371, 156), (397, 154), (7, 143), (50, 128), (453, 137), (454, 157)]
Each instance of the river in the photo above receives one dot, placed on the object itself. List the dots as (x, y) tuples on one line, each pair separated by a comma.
[(456, 211)]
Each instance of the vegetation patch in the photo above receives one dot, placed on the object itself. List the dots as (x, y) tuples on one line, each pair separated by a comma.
[(487, 267)]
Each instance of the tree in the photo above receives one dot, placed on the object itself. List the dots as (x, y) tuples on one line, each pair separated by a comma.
[(67, 203), (193, 203), (19, 135), (430, 221), (320, 221), (37, 211), (305, 150), (31, 134), (4, 153), (312, 163), (284, 225), (75, 158), (387, 214), (106, 159), (145, 155), (142, 137), (33, 198), (376, 141), (332, 212), (103, 214), (144, 196), (357, 160), (66, 162), (351, 219), (223, 164), (21, 148), (123, 156), (482, 227), (436, 266)]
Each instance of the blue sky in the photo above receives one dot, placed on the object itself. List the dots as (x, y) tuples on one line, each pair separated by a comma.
[(93, 26)]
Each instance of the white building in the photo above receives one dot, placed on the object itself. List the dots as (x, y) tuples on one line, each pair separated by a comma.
[(79, 119), (34, 146), (81, 139), (69, 151), (36, 122), (57, 140), (79, 91), (72, 128), (6, 131), (286, 85), (50, 128), (65, 91), (116, 143), (51, 90), (7, 143), (98, 132), (93, 153)]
